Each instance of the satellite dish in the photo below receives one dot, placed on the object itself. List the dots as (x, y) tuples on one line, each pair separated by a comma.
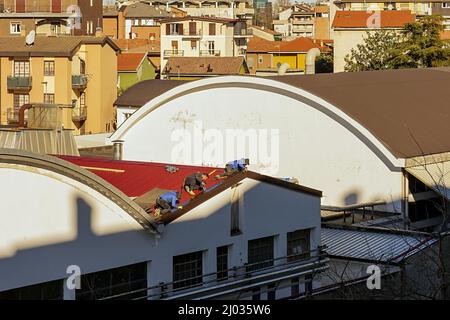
[(29, 39)]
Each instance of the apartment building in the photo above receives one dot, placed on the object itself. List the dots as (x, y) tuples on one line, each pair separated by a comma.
[(232, 9), (202, 37), (302, 20), (50, 17), (77, 73), (351, 27)]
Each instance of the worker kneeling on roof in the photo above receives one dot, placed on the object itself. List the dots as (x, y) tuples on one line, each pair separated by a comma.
[(195, 181), (167, 202), (233, 167)]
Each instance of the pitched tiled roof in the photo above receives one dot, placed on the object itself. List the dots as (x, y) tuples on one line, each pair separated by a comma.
[(301, 44), (138, 45), (136, 178), (363, 19), (63, 46), (130, 61), (204, 65), (143, 10)]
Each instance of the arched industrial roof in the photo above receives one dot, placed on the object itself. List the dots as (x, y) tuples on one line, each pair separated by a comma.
[(404, 111), (268, 85), (65, 168)]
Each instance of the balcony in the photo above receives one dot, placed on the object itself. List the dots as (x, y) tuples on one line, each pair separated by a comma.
[(192, 34), (12, 116), (19, 83), (79, 81), (303, 22), (79, 114), (209, 53), (243, 32), (173, 53)]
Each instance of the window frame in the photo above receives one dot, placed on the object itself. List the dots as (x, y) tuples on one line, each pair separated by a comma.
[(16, 23), (187, 277), (49, 68), (258, 259)]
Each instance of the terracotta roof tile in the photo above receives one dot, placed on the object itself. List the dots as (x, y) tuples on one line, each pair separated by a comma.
[(363, 19), (302, 44), (138, 45), (129, 61), (204, 65)]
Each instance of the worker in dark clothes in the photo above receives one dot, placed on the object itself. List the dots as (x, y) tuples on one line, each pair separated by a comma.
[(167, 202), (233, 167), (195, 181)]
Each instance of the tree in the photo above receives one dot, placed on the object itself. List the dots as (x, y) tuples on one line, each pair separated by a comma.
[(418, 45), (374, 53), (421, 45), (324, 63), (280, 5)]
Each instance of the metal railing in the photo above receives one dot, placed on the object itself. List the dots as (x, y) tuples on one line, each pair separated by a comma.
[(79, 113), (350, 209), (192, 33), (210, 53), (236, 276), (173, 53), (243, 32), (79, 80), (19, 82)]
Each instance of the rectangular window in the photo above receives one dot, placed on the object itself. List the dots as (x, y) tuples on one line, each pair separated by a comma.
[(49, 68), (56, 6), (260, 58), (21, 68), (298, 245), (83, 99), (174, 45), (187, 270), (193, 44), (49, 98), (82, 67), (192, 28), (15, 28), (212, 29), (295, 287), (446, 5), (260, 253), (114, 281), (20, 100), (211, 47), (52, 290), (222, 263), (271, 292)]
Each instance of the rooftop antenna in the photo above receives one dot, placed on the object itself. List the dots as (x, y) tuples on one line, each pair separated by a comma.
[(29, 39)]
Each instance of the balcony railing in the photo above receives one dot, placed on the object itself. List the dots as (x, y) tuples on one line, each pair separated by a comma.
[(19, 83), (210, 53), (79, 81), (214, 284), (173, 53), (192, 33), (79, 114), (243, 32), (12, 116)]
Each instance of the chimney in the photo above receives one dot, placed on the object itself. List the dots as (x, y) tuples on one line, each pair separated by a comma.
[(118, 149)]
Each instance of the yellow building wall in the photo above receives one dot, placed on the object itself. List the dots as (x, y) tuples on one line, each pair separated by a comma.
[(295, 60), (110, 27), (6, 99)]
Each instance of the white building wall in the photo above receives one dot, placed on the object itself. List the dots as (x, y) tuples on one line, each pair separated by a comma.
[(344, 42), (63, 222), (307, 144)]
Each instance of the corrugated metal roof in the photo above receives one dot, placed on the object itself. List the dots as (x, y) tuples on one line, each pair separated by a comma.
[(136, 178), (375, 246), (40, 141), (434, 175)]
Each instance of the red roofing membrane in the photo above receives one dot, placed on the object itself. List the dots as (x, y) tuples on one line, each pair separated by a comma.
[(136, 178)]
